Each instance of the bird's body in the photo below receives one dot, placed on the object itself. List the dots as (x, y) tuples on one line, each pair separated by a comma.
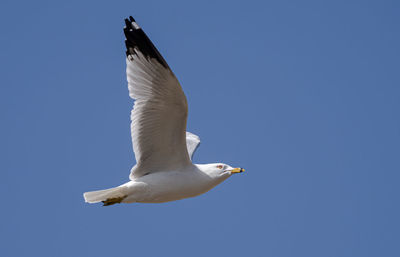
[(163, 149), (166, 186)]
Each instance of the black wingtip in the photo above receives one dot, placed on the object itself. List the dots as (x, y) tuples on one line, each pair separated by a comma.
[(136, 38), (128, 23)]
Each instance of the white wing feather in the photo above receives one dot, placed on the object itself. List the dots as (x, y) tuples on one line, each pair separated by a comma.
[(192, 143), (159, 115)]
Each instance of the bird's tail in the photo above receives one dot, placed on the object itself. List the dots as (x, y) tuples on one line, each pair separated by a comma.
[(108, 196)]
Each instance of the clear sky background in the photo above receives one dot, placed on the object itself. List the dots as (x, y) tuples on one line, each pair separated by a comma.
[(303, 94)]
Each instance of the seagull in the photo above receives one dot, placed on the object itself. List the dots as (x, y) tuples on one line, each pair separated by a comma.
[(163, 148)]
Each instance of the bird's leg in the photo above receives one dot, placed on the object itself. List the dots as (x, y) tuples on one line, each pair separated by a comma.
[(111, 201)]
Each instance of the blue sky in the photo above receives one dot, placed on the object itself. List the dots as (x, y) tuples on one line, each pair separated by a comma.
[(303, 94)]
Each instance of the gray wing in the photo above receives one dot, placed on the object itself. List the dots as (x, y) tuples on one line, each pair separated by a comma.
[(192, 143), (160, 110)]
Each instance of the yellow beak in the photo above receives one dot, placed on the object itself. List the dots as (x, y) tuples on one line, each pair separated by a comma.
[(237, 170)]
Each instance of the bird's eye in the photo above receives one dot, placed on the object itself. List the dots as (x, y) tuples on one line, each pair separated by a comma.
[(220, 166)]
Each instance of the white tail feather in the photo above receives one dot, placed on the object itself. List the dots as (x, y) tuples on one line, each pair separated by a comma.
[(103, 195)]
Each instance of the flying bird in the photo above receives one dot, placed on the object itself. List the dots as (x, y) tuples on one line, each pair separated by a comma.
[(163, 148)]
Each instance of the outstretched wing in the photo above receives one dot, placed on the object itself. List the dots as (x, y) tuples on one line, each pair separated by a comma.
[(160, 110), (192, 143)]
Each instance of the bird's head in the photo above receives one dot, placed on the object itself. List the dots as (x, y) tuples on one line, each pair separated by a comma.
[(220, 169)]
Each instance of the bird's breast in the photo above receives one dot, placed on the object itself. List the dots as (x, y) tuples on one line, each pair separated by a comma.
[(171, 185)]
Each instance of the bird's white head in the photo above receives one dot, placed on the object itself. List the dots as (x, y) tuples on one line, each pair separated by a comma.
[(216, 170)]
